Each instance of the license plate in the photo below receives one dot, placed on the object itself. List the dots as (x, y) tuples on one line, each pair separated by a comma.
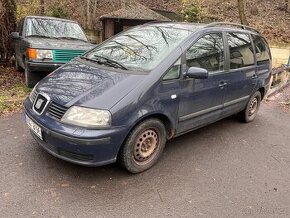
[(34, 127)]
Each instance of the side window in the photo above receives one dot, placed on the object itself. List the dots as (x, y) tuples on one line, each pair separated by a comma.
[(20, 27), (241, 50), (262, 50), (173, 72), (207, 53)]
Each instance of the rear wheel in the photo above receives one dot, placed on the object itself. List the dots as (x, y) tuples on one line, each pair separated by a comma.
[(31, 78), (144, 146), (251, 110)]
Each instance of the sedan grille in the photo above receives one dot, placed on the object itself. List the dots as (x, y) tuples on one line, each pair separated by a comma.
[(33, 95), (56, 110), (64, 56)]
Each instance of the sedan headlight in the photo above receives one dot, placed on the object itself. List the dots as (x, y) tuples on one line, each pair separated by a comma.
[(40, 54), (87, 117)]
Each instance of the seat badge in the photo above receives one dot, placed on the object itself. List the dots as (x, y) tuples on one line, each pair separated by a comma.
[(40, 103)]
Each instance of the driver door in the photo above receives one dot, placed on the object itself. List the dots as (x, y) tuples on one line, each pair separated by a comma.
[(202, 99)]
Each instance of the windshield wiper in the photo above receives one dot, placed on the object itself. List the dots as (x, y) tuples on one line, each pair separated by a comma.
[(41, 36), (73, 38), (104, 60), (89, 59)]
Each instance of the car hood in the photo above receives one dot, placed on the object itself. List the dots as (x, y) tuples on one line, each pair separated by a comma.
[(81, 83), (46, 43)]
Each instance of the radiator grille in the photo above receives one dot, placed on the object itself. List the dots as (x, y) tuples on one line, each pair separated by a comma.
[(33, 95), (64, 56), (56, 110)]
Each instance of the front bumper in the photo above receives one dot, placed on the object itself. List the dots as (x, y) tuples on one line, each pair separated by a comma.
[(48, 67), (77, 145)]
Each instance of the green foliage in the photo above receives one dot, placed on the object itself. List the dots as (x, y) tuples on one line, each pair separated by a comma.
[(33, 8), (58, 11), (24, 10), (191, 12)]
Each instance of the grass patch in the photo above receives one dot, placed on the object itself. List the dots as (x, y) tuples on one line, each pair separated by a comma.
[(12, 90)]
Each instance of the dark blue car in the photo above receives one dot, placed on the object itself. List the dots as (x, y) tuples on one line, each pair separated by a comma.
[(125, 98)]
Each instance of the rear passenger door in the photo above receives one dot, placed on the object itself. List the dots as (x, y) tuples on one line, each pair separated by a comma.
[(241, 75)]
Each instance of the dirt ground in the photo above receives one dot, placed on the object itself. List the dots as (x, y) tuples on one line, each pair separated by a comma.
[(12, 90), (282, 98)]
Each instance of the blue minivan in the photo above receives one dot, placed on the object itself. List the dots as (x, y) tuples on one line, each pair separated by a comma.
[(123, 100)]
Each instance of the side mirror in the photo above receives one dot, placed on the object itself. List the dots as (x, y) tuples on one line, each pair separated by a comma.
[(15, 35), (197, 73)]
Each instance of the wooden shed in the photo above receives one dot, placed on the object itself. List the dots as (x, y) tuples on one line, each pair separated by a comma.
[(126, 17)]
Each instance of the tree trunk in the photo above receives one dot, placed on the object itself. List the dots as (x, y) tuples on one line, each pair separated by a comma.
[(288, 5), (88, 14), (94, 17), (241, 8), (7, 25), (41, 7)]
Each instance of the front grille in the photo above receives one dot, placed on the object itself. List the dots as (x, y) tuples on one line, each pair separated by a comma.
[(64, 56), (56, 110), (33, 95)]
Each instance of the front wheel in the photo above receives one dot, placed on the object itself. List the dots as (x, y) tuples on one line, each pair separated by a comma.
[(144, 146), (17, 66), (251, 110), (31, 78)]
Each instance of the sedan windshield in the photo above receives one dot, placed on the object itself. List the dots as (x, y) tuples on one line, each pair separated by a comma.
[(50, 28), (141, 48)]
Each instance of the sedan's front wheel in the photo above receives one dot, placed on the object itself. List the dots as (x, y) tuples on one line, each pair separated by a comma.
[(144, 146), (31, 78)]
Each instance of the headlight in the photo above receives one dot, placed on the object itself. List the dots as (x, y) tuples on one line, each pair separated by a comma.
[(39, 54), (87, 117), (43, 54)]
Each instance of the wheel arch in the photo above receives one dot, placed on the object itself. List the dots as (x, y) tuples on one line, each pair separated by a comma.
[(262, 91), (163, 118), (170, 131)]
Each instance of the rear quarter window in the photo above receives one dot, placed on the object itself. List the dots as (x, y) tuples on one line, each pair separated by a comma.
[(241, 50), (262, 50)]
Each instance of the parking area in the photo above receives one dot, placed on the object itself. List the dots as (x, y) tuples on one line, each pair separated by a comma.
[(227, 169)]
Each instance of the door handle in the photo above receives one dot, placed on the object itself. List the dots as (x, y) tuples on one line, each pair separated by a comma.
[(222, 84), (254, 76)]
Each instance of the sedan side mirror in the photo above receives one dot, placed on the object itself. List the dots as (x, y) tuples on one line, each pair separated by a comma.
[(15, 35), (197, 73)]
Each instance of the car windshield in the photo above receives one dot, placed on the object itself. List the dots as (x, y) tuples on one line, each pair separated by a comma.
[(51, 28), (141, 48)]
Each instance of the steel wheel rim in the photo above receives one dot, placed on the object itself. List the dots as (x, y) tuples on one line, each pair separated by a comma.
[(145, 146), (253, 106)]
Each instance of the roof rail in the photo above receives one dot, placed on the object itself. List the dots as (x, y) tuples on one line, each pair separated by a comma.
[(245, 27)]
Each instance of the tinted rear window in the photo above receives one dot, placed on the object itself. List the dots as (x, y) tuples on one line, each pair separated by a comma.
[(241, 50)]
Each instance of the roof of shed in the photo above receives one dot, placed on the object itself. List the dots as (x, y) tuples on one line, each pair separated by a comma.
[(135, 11)]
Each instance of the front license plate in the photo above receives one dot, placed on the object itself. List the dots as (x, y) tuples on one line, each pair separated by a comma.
[(34, 127)]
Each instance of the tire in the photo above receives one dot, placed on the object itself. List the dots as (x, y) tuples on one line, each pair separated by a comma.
[(31, 78), (251, 110), (144, 146), (17, 66)]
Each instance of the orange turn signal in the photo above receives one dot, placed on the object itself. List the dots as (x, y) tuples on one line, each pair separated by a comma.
[(32, 53)]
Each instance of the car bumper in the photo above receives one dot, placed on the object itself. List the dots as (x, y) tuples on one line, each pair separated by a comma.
[(91, 148), (43, 66)]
